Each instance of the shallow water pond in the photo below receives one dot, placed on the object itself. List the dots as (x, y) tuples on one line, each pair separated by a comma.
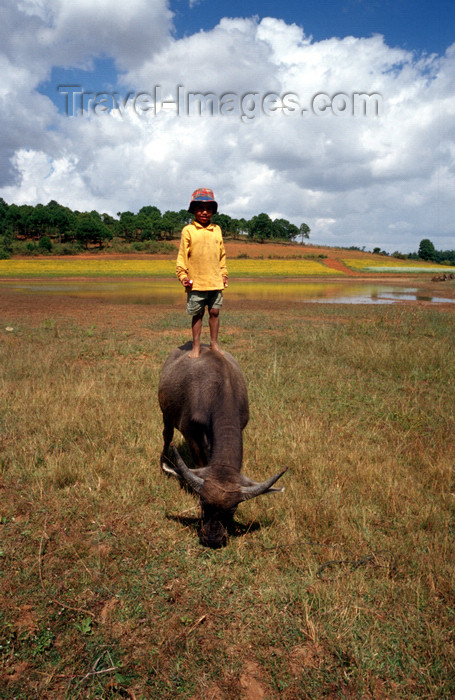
[(164, 291)]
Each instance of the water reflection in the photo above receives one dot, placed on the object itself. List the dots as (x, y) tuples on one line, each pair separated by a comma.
[(164, 291)]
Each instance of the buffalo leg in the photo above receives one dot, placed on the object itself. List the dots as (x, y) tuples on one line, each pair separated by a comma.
[(197, 442), (168, 434)]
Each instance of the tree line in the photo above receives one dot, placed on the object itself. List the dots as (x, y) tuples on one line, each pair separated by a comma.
[(53, 227), (45, 226), (427, 251)]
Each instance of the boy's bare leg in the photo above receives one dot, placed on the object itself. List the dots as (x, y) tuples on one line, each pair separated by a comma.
[(196, 327), (214, 323)]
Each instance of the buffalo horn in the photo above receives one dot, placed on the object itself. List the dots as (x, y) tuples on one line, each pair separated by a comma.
[(183, 472), (254, 489)]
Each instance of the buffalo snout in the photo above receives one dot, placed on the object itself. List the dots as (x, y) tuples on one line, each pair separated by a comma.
[(215, 527)]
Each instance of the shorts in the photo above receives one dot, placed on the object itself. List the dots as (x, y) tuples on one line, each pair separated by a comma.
[(197, 301)]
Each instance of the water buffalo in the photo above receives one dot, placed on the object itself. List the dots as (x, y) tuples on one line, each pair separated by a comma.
[(206, 399)]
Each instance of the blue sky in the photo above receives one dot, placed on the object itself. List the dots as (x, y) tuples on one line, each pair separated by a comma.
[(383, 176), (425, 26)]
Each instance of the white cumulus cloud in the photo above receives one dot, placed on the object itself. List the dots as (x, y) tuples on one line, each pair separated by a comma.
[(384, 180)]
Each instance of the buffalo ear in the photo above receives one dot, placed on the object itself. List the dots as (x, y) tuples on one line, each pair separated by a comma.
[(251, 489), (167, 469)]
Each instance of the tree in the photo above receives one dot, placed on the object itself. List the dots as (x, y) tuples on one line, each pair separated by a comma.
[(5, 227), (283, 229), (446, 257), (5, 233), (224, 222), (110, 222), (171, 222), (145, 227), (19, 218), (90, 229), (304, 231), (152, 227), (45, 244), (242, 226), (185, 217), (61, 220), (261, 227), (427, 250), (39, 220), (127, 225), (150, 211)]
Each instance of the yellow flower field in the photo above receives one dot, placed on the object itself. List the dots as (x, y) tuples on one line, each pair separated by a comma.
[(277, 268), (83, 267)]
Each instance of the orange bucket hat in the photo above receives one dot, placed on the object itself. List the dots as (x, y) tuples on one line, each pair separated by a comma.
[(203, 194)]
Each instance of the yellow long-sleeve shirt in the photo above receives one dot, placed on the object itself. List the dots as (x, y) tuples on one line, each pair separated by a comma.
[(202, 257)]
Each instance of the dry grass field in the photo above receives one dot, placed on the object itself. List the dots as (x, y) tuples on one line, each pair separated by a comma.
[(342, 586)]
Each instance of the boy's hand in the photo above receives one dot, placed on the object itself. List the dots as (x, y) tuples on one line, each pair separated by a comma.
[(187, 282), (225, 281)]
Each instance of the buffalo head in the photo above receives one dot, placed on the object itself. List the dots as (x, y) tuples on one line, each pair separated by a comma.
[(220, 489)]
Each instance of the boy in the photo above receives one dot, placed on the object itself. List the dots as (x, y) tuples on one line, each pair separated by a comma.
[(201, 267)]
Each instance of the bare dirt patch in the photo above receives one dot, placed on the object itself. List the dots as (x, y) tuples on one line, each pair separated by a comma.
[(64, 310), (292, 250), (338, 265), (234, 248), (310, 656), (250, 683)]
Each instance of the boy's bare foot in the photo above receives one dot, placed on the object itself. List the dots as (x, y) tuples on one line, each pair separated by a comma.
[(195, 353), (216, 348)]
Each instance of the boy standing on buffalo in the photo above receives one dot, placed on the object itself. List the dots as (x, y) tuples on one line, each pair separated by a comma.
[(201, 267)]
